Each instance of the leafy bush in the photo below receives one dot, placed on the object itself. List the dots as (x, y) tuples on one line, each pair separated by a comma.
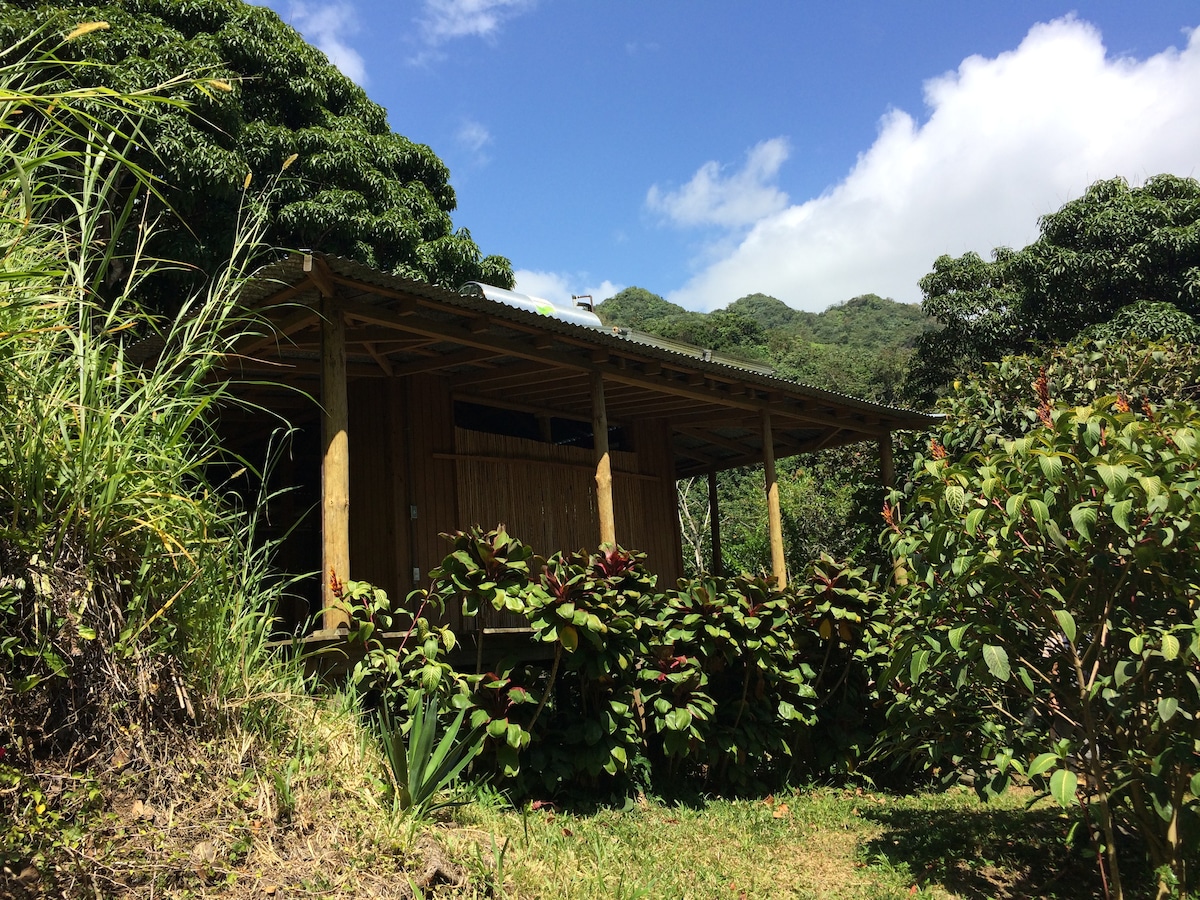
[(1051, 630), (719, 682)]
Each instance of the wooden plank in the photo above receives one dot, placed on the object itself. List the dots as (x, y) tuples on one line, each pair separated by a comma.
[(774, 517), (400, 484), (537, 463), (335, 464), (887, 464), (604, 484), (372, 473), (714, 520)]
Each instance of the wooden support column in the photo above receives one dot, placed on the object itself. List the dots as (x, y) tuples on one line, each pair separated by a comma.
[(335, 464), (714, 525), (604, 491), (887, 475), (774, 515), (887, 465)]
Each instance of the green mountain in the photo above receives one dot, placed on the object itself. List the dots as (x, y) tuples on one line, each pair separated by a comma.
[(859, 347)]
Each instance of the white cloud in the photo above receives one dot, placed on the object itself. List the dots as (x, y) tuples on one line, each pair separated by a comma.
[(1006, 140), (327, 25), (559, 287), (473, 136), (447, 19), (713, 197)]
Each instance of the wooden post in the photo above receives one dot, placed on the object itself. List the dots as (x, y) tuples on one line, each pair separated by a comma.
[(604, 491), (335, 465), (887, 465), (887, 475), (714, 525), (774, 516)]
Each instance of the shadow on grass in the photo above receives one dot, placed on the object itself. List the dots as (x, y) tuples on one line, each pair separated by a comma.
[(1001, 853)]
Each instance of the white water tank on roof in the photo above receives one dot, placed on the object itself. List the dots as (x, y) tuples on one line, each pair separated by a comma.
[(576, 315)]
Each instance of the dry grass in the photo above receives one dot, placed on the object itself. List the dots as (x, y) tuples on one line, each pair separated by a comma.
[(238, 817)]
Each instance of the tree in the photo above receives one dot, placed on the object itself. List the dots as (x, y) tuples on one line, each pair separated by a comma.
[(1112, 248), (769, 312), (354, 188), (635, 307), (1052, 531)]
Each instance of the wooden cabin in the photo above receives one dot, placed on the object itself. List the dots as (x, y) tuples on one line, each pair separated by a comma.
[(421, 410)]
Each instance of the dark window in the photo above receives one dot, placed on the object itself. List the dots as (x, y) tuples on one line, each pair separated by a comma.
[(551, 429)]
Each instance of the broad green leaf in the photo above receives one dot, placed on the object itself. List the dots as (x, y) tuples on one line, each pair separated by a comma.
[(956, 636), (955, 497), (996, 659), (1051, 466), (1056, 534), (1170, 646), (918, 664), (1167, 707), (1014, 505), (679, 719), (974, 517), (1120, 514), (1137, 644), (1062, 787), (1113, 476), (569, 637), (1042, 763), (1124, 671), (1041, 512), (1083, 517), (1067, 623)]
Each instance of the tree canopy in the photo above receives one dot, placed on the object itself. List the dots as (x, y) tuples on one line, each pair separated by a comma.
[(1048, 630), (1113, 248), (355, 188)]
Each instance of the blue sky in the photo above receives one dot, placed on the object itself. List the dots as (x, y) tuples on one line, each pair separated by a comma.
[(706, 150)]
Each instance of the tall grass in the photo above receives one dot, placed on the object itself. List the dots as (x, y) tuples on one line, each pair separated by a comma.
[(128, 582)]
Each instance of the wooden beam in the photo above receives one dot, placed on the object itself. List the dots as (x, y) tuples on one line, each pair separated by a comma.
[(714, 525), (574, 415), (701, 435), (604, 491), (335, 466), (785, 447), (299, 319), (385, 365), (445, 361), (887, 464), (774, 516), (319, 274), (697, 391)]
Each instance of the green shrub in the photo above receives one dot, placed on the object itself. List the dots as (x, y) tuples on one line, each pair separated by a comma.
[(719, 683), (1050, 629)]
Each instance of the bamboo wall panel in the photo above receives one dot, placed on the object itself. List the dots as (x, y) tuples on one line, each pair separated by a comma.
[(373, 537), (663, 542), (545, 495)]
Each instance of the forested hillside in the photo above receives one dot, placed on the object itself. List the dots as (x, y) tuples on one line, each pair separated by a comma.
[(859, 347), (830, 499)]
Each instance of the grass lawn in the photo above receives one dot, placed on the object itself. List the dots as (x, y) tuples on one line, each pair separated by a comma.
[(818, 843)]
